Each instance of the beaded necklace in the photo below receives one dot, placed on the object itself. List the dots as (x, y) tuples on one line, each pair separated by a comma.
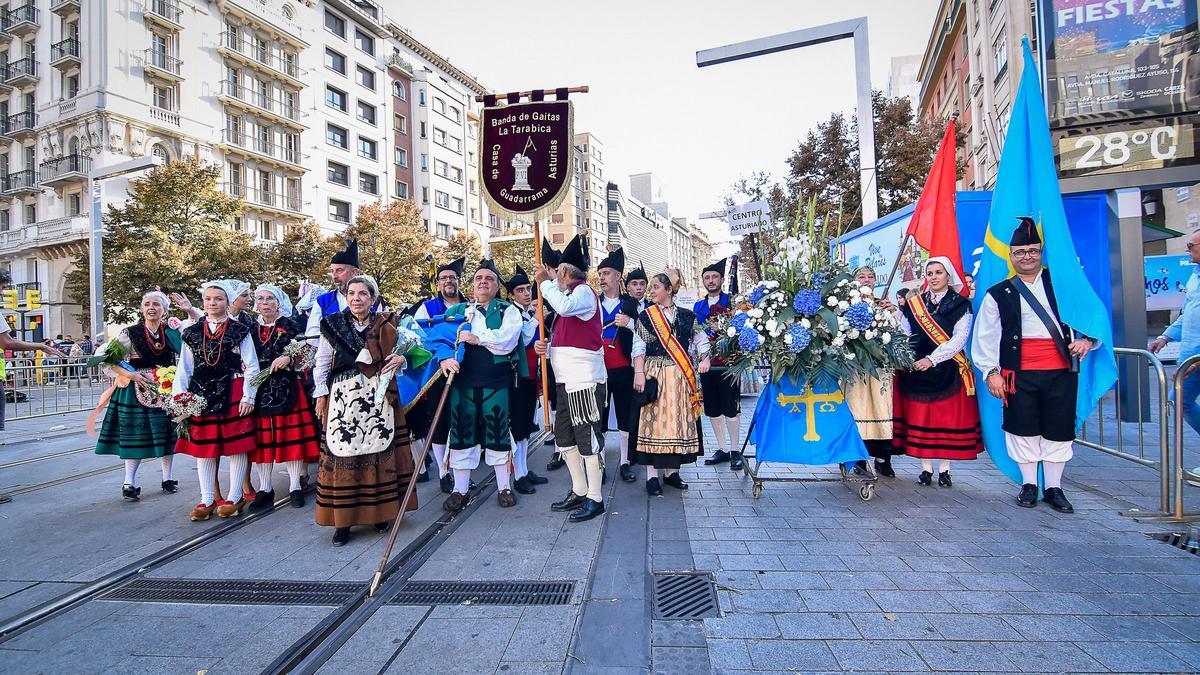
[(157, 343), (218, 335)]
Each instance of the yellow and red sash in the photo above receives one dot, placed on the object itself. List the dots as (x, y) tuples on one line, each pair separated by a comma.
[(939, 336), (658, 321)]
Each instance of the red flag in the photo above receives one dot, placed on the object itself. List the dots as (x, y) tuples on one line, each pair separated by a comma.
[(933, 225)]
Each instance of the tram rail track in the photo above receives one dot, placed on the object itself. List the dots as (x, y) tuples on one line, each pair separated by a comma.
[(40, 458)]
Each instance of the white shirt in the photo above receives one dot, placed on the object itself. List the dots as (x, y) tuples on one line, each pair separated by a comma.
[(985, 347), (187, 364), (698, 346), (500, 341), (575, 368), (313, 328), (529, 322), (958, 338)]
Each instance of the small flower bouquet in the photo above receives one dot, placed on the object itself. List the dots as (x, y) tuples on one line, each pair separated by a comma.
[(182, 408), (302, 353), (111, 355), (165, 377), (409, 345)]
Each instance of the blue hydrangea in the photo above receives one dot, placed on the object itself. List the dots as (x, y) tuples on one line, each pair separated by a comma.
[(749, 340), (806, 302), (739, 320), (800, 337), (860, 316), (758, 294), (817, 280)]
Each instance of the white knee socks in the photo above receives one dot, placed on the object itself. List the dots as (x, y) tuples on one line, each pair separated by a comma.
[(927, 465), (439, 451), (131, 467), (1028, 472), (521, 458), (574, 460), (503, 477), (624, 447), (1053, 472), (237, 474), (294, 468), (264, 475), (718, 425), (168, 467), (651, 472), (944, 465), (206, 472), (734, 425), (462, 480), (595, 475)]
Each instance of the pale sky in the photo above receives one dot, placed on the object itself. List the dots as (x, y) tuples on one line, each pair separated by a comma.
[(698, 130)]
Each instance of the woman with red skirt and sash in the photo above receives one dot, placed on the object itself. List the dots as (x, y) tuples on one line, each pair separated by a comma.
[(288, 433), (936, 415), (215, 363)]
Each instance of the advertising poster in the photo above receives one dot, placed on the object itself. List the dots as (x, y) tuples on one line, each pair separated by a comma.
[(1166, 281)]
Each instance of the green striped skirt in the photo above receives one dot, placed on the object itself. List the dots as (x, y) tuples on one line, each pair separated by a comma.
[(133, 431)]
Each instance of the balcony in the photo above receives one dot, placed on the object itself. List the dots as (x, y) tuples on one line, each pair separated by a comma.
[(167, 117), (252, 101), (165, 13), (162, 65), (21, 73), (269, 200), (11, 240), (253, 147), (231, 45), (64, 55), (396, 61), (65, 170), (60, 232), (21, 21), (64, 8), (20, 126), (21, 183)]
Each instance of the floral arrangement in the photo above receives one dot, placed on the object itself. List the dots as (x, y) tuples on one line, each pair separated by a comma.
[(182, 408), (409, 345), (300, 351), (165, 377), (111, 355), (809, 319)]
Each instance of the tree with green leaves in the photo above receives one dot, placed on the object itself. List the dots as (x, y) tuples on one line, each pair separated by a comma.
[(172, 232), (462, 245), (392, 245), (302, 255), (509, 254)]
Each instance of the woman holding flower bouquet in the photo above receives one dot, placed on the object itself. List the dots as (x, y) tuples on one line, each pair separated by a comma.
[(667, 432), (135, 427), (214, 382), (936, 414), (367, 462), (287, 430)]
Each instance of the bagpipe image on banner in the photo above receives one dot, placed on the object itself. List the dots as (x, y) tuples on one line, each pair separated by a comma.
[(528, 157), (805, 425)]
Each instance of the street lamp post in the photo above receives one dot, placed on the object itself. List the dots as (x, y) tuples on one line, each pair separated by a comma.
[(96, 240)]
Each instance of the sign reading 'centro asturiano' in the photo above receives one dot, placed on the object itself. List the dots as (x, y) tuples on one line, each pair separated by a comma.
[(527, 153)]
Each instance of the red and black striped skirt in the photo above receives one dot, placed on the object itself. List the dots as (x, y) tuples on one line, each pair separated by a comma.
[(946, 428), (292, 436), (221, 435)]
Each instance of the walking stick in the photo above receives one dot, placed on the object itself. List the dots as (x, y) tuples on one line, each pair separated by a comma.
[(537, 256), (412, 486)]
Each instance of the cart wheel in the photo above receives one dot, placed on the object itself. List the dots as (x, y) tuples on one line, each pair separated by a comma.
[(845, 473), (757, 490), (866, 492)]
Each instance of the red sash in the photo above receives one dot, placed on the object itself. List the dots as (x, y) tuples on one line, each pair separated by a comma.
[(658, 321), (1042, 354), (931, 328)]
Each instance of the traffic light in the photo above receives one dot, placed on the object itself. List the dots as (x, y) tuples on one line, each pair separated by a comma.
[(10, 299), (33, 299)]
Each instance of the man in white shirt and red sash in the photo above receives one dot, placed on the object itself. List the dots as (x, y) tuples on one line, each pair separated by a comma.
[(577, 353), (617, 312), (1030, 360)]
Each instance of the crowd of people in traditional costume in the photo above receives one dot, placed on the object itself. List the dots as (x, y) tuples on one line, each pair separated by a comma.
[(628, 353)]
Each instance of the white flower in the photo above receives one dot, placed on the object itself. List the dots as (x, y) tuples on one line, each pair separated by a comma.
[(854, 334), (838, 341), (855, 293), (869, 334), (771, 325), (843, 282), (806, 323), (787, 338), (777, 295), (731, 331), (849, 356), (756, 313), (832, 301), (885, 338), (843, 305)]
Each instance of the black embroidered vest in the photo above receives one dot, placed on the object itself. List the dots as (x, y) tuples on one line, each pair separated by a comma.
[(277, 395), (216, 362), (161, 354), (1009, 303)]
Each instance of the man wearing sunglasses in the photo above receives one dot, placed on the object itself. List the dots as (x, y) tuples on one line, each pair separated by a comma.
[(1030, 360), (1186, 331)]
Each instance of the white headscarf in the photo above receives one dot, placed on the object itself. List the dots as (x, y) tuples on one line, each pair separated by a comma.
[(231, 287), (160, 296), (285, 304), (309, 297), (956, 283)]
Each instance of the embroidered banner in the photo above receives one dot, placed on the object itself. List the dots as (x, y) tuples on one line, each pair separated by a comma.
[(528, 157)]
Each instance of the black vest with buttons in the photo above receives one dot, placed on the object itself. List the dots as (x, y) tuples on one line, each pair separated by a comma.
[(1009, 302)]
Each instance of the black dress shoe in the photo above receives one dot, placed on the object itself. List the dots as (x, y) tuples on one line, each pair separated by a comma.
[(926, 478), (589, 510), (455, 502), (883, 467), (1057, 500), (447, 483), (263, 501), (535, 479), (549, 440), (296, 499), (556, 462), (569, 503), (341, 536), (1028, 496), (944, 479), (653, 487), (522, 486), (627, 473), (736, 462), (131, 494), (423, 477), (719, 457), (675, 481), (170, 486)]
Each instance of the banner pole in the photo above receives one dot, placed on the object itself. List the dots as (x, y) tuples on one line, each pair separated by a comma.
[(541, 313), (895, 266)]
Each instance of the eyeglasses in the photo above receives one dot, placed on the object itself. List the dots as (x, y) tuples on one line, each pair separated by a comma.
[(1191, 245), (1026, 252), (448, 278)]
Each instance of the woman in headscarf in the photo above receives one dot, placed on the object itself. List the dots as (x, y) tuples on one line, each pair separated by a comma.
[(870, 398), (664, 338), (216, 362), (133, 429), (936, 414), (287, 430), (367, 461)]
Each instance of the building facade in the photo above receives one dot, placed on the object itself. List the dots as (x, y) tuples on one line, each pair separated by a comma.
[(637, 228)]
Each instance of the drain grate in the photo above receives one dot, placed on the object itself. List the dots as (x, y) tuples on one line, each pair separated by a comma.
[(485, 593), (685, 596), (1178, 540), (236, 591)]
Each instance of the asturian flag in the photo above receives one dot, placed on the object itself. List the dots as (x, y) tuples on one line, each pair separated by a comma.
[(812, 425), (1027, 185), (440, 337)]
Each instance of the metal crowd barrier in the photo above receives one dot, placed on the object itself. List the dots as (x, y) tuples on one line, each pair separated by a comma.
[(1180, 474), (42, 386)]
